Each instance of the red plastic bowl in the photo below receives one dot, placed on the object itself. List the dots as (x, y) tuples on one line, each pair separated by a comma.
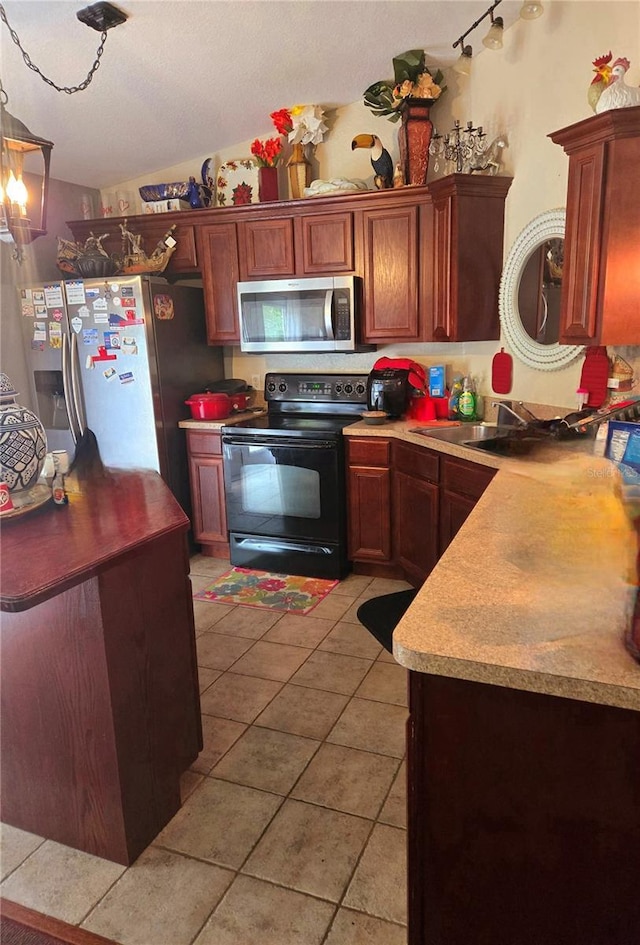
[(209, 406)]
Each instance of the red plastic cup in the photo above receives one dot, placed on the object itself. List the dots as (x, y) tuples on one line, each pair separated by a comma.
[(5, 498)]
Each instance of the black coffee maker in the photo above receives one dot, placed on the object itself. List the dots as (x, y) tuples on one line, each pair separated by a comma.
[(391, 384)]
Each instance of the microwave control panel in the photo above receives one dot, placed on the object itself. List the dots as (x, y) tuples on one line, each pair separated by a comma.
[(321, 388)]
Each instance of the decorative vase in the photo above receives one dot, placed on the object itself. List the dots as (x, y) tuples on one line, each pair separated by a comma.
[(267, 183), (299, 170), (23, 444), (414, 138)]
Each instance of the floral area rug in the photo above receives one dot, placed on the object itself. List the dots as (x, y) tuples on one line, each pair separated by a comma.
[(298, 595)]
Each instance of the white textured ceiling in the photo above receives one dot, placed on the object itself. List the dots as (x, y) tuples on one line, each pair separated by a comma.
[(186, 78)]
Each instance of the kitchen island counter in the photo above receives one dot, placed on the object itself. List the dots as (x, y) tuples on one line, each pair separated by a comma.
[(100, 707), (523, 738)]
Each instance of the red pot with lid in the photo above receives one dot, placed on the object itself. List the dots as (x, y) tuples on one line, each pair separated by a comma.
[(209, 406)]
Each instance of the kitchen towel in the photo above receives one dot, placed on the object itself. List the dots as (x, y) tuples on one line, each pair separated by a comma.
[(289, 592)]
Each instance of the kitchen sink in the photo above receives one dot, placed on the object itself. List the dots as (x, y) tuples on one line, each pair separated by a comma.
[(467, 433)]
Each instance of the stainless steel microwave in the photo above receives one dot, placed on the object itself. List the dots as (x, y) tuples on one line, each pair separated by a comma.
[(299, 314)]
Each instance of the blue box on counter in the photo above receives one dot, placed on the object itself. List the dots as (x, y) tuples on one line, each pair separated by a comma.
[(623, 447), (437, 382)]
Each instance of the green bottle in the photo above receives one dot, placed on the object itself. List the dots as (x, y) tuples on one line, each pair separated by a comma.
[(467, 401)]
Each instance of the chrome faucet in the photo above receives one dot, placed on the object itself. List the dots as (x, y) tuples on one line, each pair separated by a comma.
[(504, 405)]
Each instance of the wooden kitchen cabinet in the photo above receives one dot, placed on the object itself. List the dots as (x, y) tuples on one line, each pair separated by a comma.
[(266, 249), (152, 227), (218, 254), (464, 254), (369, 500), (325, 243), (528, 800), (209, 524), (391, 273), (601, 276), (415, 510), (462, 484)]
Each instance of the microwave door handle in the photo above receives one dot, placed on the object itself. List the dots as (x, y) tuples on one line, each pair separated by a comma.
[(328, 313)]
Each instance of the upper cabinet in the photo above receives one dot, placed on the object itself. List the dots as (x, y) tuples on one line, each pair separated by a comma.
[(152, 227), (464, 256), (430, 258), (601, 275)]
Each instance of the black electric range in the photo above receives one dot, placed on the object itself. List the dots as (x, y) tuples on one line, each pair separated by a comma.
[(284, 475)]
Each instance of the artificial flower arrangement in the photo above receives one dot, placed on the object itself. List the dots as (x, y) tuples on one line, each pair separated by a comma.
[(267, 153), (303, 124), (412, 79)]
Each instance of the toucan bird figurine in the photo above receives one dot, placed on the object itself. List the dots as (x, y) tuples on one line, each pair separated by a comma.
[(380, 159)]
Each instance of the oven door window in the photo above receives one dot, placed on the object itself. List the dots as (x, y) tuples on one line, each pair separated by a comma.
[(283, 491)]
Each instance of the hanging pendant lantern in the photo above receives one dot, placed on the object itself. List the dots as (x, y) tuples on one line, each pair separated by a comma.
[(23, 214)]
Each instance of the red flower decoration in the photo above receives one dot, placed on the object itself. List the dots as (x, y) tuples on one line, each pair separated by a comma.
[(282, 121), (267, 152), (241, 194)]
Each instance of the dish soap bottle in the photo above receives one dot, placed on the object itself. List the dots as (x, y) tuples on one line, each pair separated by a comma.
[(454, 397), (467, 400)]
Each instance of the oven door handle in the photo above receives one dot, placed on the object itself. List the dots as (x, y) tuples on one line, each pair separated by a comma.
[(273, 442)]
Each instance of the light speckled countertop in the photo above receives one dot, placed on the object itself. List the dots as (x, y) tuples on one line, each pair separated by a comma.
[(218, 424), (536, 590)]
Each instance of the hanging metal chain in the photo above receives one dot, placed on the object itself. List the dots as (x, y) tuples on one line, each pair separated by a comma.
[(59, 88)]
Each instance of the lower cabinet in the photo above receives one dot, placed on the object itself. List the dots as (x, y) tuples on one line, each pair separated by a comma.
[(462, 484), (204, 450), (369, 501), (415, 510), (522, 817), (405, 505)]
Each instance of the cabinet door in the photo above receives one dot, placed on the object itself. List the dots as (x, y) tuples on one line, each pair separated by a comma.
[(218, 255), (266, 249), (454, 510), (415, 509), (326, 243), (466, 257), (207, 487), (391, 275), (369, 512)]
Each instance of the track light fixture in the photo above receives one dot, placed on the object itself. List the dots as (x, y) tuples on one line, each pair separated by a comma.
[(493, 39), (531, 9), (463, 63)]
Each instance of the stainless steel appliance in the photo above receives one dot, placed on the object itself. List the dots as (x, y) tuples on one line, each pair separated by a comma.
[(119, 356), (284, 476), (299, 314)]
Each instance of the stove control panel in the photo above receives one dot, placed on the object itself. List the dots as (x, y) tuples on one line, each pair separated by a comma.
[(317, 388)]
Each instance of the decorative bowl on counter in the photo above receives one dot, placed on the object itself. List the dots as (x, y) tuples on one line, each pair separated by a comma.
[(179, 189)]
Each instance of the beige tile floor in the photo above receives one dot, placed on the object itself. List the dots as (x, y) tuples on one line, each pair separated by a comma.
[(293, 824)]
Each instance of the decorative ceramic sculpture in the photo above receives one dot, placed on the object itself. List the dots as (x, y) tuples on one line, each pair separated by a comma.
[(23, 445)]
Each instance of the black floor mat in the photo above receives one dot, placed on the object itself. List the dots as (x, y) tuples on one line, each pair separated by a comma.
[(381, 614)]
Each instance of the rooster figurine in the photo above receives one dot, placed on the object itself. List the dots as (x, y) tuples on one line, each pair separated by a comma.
[(617, 94), (380, 159), (602, 69)]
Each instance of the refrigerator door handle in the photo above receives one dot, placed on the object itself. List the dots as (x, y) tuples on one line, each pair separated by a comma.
[(75, 386), (68, 389)]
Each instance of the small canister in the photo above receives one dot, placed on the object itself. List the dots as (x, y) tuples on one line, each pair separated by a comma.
[(5, 498)]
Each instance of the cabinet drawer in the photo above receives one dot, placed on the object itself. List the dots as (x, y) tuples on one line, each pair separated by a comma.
[(204, 442), (368, 451), (416, 461), (466, 478)]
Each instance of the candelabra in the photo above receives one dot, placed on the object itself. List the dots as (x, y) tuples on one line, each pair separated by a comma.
[(465, 146)]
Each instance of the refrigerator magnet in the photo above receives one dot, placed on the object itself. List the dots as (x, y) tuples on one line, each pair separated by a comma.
[(75, 292), (57, 315), (126, 378), (76, 324), (89, 335), (89, 365), (28, 310), (100, 304), (111, 339), (83, 311), (55, 335), (163, 307), (38, 296), (128, 345), (110, 373), (39, 331), (127, 291), (91, 292), (53, 295), (101, 318), (41, 311), (26, 295)]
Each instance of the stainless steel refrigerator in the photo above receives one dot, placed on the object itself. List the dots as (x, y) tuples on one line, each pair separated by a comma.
[(119, 356)]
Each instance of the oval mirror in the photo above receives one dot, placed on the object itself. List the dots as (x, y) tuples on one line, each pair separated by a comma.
[(529, 299)]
